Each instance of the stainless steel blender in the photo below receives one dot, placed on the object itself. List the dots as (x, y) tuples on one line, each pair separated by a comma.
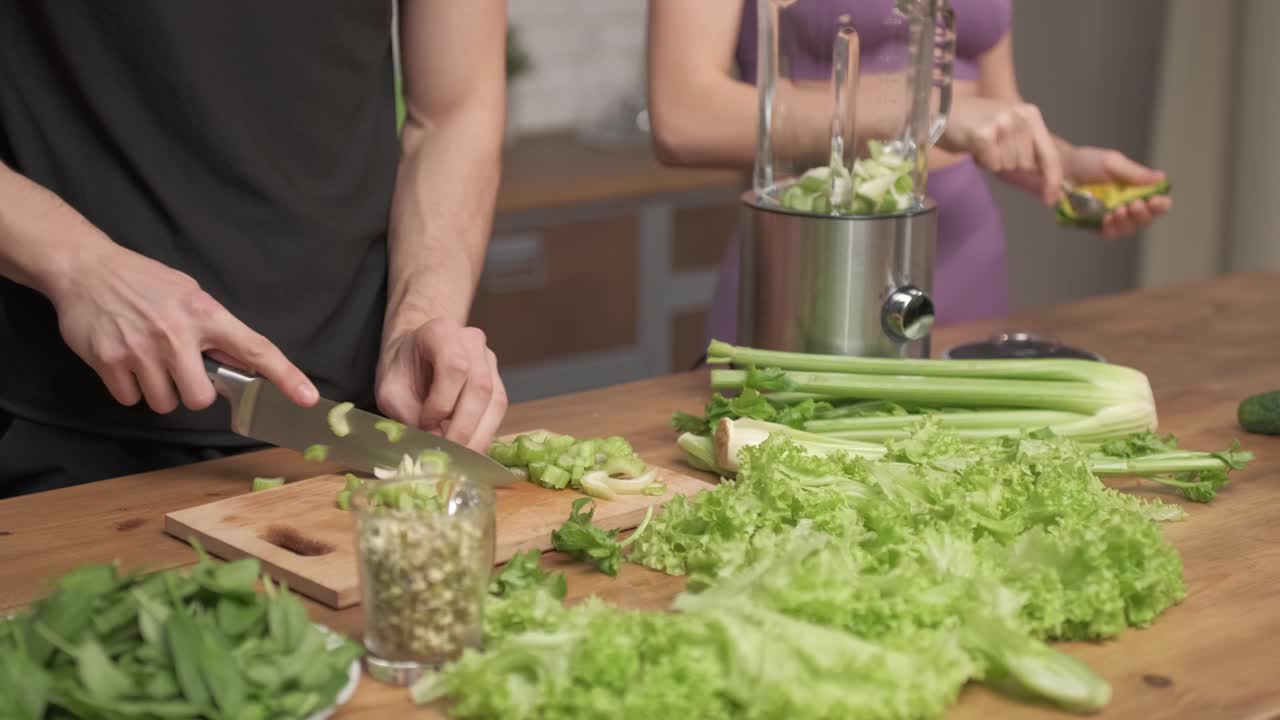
[(838, 251)]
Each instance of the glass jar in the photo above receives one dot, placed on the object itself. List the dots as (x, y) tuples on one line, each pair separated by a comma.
[(425, 547)]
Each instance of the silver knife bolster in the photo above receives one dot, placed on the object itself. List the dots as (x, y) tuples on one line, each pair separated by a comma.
[(238, 388)]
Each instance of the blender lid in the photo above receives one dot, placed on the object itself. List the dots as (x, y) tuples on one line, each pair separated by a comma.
[(1017, 345)]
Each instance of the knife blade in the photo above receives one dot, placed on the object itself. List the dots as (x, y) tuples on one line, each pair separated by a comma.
[(261, 412)]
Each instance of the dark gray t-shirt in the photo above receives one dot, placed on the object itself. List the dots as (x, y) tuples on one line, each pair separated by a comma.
[(249, 144)]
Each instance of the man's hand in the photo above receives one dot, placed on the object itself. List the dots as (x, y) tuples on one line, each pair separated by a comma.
[(142, 326), (435, 373), (443, 377)]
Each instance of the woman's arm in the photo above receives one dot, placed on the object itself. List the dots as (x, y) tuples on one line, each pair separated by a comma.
[(702, 115), (998, 80)]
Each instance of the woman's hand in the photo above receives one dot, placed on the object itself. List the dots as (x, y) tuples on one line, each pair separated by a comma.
[(1009, 139), (1084, 165)]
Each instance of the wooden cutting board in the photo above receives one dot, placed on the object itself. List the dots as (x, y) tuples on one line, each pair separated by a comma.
[(302, 538)]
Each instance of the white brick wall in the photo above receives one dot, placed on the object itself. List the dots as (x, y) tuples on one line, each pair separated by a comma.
[(587, 55)]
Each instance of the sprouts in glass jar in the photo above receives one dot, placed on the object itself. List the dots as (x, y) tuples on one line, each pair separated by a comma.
[(425, 540)]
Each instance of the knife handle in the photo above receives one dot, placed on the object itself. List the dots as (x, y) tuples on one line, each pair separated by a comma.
[(229, 382)]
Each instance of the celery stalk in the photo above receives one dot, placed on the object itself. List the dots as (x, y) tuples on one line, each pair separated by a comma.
[(1010, 369), (1081, 397), (967, 420)]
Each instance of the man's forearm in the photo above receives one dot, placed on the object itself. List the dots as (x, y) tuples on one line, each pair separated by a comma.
[(441, 218), (41, 236)]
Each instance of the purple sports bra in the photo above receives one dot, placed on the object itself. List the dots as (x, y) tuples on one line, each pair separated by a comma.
[(812, 25)]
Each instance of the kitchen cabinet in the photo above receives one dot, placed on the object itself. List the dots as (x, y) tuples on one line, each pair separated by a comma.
[(601, 266)]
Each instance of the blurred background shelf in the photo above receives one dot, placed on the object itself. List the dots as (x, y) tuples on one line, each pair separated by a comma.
[(602, 263)]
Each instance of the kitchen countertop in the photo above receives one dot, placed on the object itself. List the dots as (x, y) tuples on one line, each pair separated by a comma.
[(1204, 347), (558, 170)]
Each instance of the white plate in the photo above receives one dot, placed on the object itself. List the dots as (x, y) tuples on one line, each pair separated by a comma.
[(332, 641)]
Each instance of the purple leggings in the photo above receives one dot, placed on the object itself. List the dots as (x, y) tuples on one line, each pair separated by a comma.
[(970, 279)]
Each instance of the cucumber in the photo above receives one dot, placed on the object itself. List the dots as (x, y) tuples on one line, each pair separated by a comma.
[(1261, 413)]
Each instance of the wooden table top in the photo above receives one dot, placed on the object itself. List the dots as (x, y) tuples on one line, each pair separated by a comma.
[(1205, 347)]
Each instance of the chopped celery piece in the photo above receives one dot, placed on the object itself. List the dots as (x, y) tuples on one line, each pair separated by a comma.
[(433, 462), (630, 466), (557, 461), (587, 449), (616, 447), (631, 485), (875, 185), (316, 453), (816, 180), (505, 453), (261, 483), (875, 188), (554, 478), (338, 423), (536, 471), (795, 198), (393, 430), (557, 444), (596, 485), (353, 483), (344, 500), (530, 450)]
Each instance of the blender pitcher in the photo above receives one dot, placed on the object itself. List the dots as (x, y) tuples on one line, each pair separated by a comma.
[(838, 254)]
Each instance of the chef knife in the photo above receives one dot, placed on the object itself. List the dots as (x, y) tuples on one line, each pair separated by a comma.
[(261, 412)]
